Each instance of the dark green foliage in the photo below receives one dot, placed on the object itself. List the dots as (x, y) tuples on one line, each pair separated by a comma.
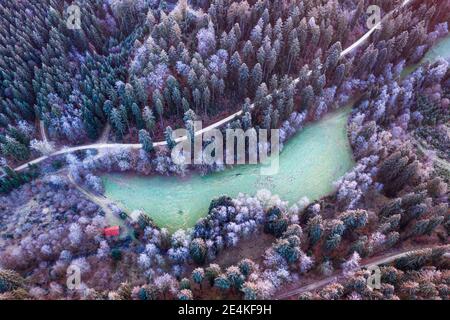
[(145, 221), (10, 280), (392, 208), (145, 140), (247, 267), (250, 291), (288, 250), (185, 295), (410, 207), (212, 272), (435, 137), (148, 292), (436, 187), (433, 114), (315, 229), (391, 275), (293, 230), (307, 96), (168, 134), (276, 222), (398, 170), (392, 239), (13, 148), (333, 242), (198, 275), (185, 284), (360, 246), (417, 260), (223, 201), (222, 282)]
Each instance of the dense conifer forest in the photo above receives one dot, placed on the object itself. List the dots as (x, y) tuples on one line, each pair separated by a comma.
[(136, 70)]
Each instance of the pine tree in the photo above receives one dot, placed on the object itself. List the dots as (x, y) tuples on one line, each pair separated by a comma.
[(333, 242), (137, 116), (117, 123), (197, 96), (222, 283), (248, 51), (339, 74), (294, 50), (212, 272), (185, 284), (235, 277), (139, 92), (197, 250), (185, 295), (148, 118), (333, 56), (198, 275), (319, 84), (315, 229), (250, 291), (243, 79), (13, 148), (158, 105), (146, 141), (124, 291), (307, 97), (247, 267)]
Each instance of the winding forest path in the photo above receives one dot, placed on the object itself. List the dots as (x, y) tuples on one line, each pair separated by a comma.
[(42, 131), (104, 145), (375, 261)]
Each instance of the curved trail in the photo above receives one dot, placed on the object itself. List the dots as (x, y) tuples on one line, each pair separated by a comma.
[(339, 276), (105, 146)]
